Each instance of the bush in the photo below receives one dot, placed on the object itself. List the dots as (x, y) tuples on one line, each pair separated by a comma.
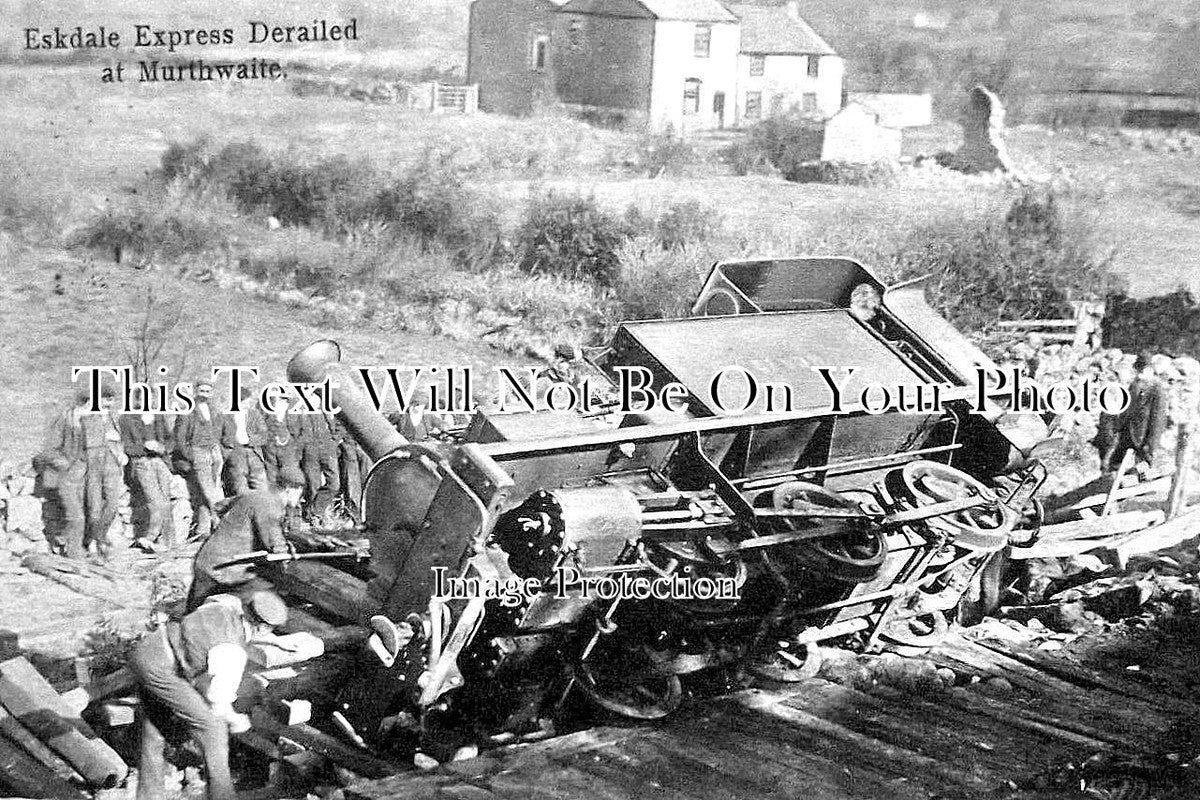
[(1168, 323), (842, 173), (160, 225), (659, 153), (571, 237), (745, 158), (654, 283), (686, 224), (784, 142), (1028, 265), (432, 203), (341, 196)]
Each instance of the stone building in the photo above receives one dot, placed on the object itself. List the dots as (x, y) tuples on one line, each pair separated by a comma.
[(669, 64), (784, 66)]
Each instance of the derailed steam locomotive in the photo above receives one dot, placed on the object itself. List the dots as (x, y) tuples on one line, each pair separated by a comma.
[(641, 548)]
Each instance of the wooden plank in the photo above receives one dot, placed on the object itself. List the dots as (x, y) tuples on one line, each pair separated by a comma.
[(1080, 536), (99, 588), (751, 753), (1106, 710), (1127, 461), (1121, 522), (1161, 484), (1184, 456), (1032, 323), (35, 704), (620, 774), (19, 735), (1182, 528), (353, 758), (23, 776), (862, 747), (327, 587), (1045, 723), (1160, 696), (981, 749)]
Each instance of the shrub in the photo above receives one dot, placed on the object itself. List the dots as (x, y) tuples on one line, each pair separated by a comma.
[(654, 283), (659, 153), (686, 224), (745, 158), (785, 142), (432, 203), (161, 224), (343, 196), (842, 173), (571, 237), (1028, 265), (300, 259), (1168, 323)]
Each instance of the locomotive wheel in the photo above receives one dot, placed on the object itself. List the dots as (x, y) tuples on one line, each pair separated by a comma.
[(983, 528), (620, 677), (641, 695), (852, 556), (780, 668), (692, 565), (924, 631)]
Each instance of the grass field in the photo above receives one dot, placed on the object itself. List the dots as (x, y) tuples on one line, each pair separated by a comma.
[(73, 145)]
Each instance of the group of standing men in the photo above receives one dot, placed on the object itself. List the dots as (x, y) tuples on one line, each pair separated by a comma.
[(89, 457)]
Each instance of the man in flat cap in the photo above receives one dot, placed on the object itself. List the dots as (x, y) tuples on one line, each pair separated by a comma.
[(188, 675)]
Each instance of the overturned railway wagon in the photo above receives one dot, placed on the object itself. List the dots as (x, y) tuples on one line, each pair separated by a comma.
[(735, 541)]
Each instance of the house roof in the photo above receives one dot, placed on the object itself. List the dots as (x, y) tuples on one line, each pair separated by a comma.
[(776, 30), (686, 10)]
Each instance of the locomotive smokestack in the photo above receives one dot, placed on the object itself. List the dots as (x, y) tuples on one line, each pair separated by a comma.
[(322, 359)]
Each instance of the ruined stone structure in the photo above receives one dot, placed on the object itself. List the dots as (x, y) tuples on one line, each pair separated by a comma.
[(983, 147)]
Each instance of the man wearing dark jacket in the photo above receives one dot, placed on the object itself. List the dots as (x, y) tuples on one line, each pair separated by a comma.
[(243, 435), (253, 522), (1140, 427), (188, 672), (62, 468), (198, 456), (146, 439), (317, 435)]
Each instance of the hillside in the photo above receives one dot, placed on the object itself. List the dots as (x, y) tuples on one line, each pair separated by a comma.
[(58, 310), (1015, 45)]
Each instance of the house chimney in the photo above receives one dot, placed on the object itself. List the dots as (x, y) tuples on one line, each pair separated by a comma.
[(793, 9)]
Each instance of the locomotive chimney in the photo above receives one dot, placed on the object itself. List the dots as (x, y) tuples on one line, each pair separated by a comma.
[(322, 359)]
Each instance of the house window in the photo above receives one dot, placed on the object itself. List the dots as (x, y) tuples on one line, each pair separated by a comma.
[(753, 105), (758, 65), (814, 66), (703, 39), (691, 96), (540, 53), (808, 103)]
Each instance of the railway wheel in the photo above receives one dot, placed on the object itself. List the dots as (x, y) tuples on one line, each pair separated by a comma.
[(625, 682), (984, 528), (852, 553)]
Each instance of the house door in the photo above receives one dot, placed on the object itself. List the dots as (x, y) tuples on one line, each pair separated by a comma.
[(719, 108)]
